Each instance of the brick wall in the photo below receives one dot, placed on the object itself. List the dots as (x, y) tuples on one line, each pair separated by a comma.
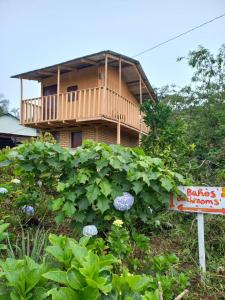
[(129, 140), (106, 135), (65, 139), (98, 133)]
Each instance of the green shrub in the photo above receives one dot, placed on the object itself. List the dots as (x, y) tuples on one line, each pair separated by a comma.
[(83, 185), (22, 280)]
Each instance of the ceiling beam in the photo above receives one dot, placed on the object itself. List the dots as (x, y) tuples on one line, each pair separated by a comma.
[(46, 73), (89, 61), (67, 68)]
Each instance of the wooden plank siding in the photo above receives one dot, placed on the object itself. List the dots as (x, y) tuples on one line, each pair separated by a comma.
[(92, 100)]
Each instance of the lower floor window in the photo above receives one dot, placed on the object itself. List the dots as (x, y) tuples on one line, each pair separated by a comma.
[(76, 139), (55, 134)]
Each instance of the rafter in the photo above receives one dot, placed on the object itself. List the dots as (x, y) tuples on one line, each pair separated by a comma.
[(89, 61), (46, 73)]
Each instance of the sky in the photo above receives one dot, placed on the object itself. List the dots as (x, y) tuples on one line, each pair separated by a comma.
[(39, 33)]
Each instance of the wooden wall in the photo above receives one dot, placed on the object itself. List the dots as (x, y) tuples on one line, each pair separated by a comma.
[(89, 78)]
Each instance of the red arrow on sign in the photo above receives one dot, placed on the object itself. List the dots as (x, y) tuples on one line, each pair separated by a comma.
[(181, 207)]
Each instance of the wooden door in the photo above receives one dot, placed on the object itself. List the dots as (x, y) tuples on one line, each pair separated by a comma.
[(49, 101)]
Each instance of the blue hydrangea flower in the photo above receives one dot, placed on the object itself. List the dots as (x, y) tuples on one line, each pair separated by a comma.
[(3, 190), (123, 203), (28, 210), (90, 230)]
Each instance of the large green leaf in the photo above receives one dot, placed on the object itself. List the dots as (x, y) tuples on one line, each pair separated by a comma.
[(102, 204), (57, 276), (166, 183), (75, 279), (89, 293), (105, 187), (63, 293), (138, 282), (92, 192)]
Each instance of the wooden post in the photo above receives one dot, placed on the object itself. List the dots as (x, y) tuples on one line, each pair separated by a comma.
[(58, 91), (21, 102), (118, 140), (105, 100), (201, 243), (140, 134), (106, 70)]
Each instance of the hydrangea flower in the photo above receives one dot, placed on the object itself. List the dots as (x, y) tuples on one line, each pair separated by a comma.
[(118, 223), (90, 230), (123, 203), (3, 190), (28, 210), (16, 181)]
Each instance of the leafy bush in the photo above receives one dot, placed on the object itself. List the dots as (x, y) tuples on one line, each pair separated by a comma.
[(83, 185), (74, 270), (22, 279)]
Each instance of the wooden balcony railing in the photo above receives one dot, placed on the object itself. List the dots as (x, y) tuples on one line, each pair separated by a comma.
[(81, 105)]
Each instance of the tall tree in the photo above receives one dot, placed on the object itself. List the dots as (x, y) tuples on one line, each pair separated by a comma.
[(200, 109)]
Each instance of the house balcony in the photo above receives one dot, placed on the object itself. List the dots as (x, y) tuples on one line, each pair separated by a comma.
[(97, 105)]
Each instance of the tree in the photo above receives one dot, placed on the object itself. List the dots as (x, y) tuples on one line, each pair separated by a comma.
[(200, 109), (4, 103)]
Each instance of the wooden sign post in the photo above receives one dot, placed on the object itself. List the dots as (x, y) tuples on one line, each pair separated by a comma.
[(200, 200)]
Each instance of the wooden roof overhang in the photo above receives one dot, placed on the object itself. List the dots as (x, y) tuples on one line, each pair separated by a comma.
[(130, 68)]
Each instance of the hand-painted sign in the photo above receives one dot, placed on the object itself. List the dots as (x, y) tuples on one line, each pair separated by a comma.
[(199, 199)]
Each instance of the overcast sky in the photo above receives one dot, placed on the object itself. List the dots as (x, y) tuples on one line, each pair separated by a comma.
[(38, 33)]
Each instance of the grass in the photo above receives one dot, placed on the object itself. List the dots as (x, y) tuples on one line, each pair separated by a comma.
[(175, 232)]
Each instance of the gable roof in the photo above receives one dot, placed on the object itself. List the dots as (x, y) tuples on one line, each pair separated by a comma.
[(131, 75)]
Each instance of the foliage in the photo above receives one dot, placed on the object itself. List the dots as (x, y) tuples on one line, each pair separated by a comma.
[(83, 185), (3, 235), (192, 139), (119, 241), (82, 274), (74, 270), (4, 107), (29, 242), (22, 279), (3, 104), (166, 139)]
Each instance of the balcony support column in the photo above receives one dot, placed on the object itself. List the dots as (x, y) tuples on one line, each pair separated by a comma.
[(58, 92), (140, 134), (104, 108), (106, 71), (118, 139), (21, 102)]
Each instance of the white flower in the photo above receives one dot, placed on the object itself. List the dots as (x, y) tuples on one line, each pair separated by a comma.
[(123, 203), (90, 230), (39, 183), (16, 181), (3, 190), (28, 210)]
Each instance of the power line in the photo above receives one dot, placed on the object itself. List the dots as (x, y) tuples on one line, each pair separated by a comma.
[(179, 35)]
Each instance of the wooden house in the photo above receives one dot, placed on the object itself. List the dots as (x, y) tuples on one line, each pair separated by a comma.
[(96, 97)]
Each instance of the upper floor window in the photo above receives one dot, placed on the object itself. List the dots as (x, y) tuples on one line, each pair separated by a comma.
[(72, 96)]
